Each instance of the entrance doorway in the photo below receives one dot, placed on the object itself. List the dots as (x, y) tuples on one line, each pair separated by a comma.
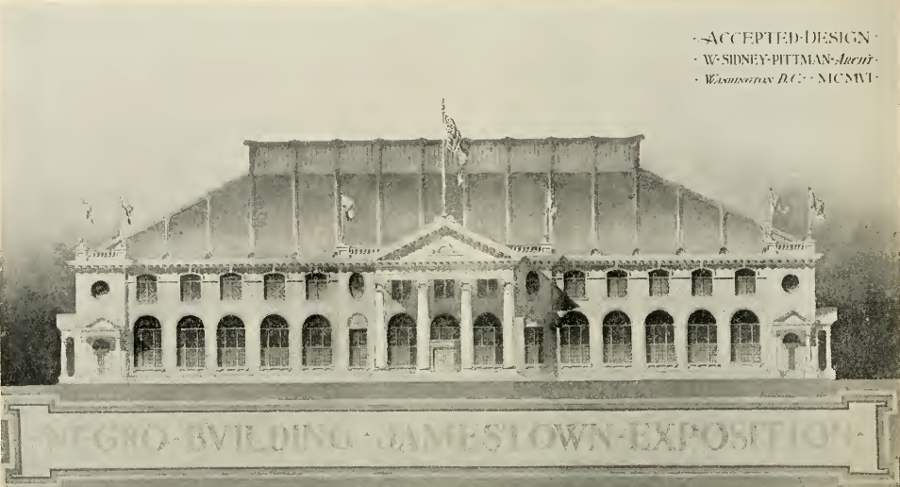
[(791, 341), (444, 359)]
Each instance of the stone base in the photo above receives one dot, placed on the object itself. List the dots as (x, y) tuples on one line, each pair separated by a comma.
[(736, 432)]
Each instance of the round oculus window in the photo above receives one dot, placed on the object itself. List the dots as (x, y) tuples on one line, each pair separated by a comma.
[(357, 285), (790, 283), (99, 288)]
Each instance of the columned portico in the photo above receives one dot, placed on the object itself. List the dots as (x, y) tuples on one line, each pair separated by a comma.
[(423, 328)]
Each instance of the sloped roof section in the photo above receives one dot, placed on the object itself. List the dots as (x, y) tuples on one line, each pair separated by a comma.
[(289, 205)]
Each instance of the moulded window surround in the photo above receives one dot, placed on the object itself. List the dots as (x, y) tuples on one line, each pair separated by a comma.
[(146, 289), (99, 288), (274, 338), (147, 343), (274, 287), (357, 285), (574, 339), (191, 343), (487, 288), (701, 282), (702, 338), (488, 337), (401, 341), (316, 285), (659, 283), (660, 331), (230, 287), (532, 284), (573, 283), (617, 339), (745, 343), (359, 351), (616, 284), (317, 350), (190, 287), (444, 288), (401, 290), (744, 282), (534, 345), (230, 343)]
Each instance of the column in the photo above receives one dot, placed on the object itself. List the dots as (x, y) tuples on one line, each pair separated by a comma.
[(828, 350), (518, 344), (63, 357), (638, 340), (252, 342), (466, 335), (295, 332), (380, 337), (170, 345), (209, 332), (681, 344), (511, 347), (723, 340), (596, 338), (423, 328)]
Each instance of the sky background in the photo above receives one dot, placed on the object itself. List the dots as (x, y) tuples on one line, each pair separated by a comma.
[(153, 103)]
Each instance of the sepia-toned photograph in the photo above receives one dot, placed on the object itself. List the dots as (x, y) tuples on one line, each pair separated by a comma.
[(436, 243)]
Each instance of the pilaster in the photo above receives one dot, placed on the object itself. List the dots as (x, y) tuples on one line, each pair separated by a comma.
[(466, 338), (512, 346), (423, 328), (380, 338)]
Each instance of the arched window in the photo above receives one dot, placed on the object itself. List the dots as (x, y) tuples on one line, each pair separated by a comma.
[(744, 282), (230, 287), (147, 343), (401, 341), (274, 342), (191, 343), (659, 283), (444, 327), (823, 350), (573, 282), (316, 284), (359, 352), (357, 285), (146, 289), (660, 338), (273, 287), (702, 337), (616, 284), (701, 282), (745, 337), (190, 287), (574, 339), (488, 340), (230, 342), (316, 342), (617, 338), (532, 284)]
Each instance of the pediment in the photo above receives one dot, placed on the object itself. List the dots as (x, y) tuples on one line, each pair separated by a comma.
[(447, 241), (101, 325), (792, 318)]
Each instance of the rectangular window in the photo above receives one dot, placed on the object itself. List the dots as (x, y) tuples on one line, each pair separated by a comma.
[(316, 284), (275, 347), (231, 347), (661, 344), (745, 285), (359, 352), (318, 347), (146, 290), (617, 344), (191, 349), (402, 350), (618, 287), (659, 286), (702, 344), (231, 288), (745, 343), (487, 288), (401, 290), (575, 345), (485, 345), (274, 287), (702, 286), (534, 345), (190, 288), (444, 288), (148, 348)]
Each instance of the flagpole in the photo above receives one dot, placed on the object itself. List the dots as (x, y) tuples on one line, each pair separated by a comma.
[(810, 203), (444, 162)]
